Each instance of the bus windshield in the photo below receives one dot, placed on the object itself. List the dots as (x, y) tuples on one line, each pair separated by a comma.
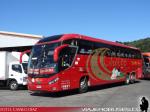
[(42, 56)]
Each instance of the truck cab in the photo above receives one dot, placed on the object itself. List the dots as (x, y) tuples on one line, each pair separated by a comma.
[(13, 72), (17, 74)]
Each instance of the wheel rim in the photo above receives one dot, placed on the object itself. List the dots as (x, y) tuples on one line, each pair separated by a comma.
[(127, 80), (132, 78), (13, 86), (83, 84)]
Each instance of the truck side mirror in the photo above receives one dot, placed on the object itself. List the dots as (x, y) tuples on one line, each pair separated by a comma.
[(57, 51)]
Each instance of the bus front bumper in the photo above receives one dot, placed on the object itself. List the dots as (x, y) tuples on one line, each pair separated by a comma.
[(43, 88)]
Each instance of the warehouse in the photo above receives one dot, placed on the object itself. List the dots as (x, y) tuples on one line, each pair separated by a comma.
[(10, 41), (14, 55)]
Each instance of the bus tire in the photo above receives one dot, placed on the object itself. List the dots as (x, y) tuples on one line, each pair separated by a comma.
[(83, 85), (127, 80), (13, 85), (132, 78)]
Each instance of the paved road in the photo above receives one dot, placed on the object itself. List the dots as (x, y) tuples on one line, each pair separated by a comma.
[(117, 95)]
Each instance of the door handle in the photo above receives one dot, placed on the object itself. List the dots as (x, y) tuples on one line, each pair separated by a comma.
[(12, 75)]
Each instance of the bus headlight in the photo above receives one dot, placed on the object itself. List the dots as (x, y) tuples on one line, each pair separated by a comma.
[(53, 81)]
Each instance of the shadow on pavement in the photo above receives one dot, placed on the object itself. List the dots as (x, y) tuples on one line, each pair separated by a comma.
[(147, 79), (7, 88), (75, 91)]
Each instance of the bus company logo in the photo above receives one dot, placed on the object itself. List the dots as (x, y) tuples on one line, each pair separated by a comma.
[(93, 66), (97, 68)]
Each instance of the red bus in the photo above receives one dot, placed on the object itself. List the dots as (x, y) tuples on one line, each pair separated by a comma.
[(146, 65), (70, 61)]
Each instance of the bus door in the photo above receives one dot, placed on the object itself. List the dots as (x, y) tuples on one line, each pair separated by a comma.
[(65, 63)]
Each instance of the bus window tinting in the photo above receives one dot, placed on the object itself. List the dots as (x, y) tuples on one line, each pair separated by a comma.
[(86, 47), (66, 57), (51, 38)]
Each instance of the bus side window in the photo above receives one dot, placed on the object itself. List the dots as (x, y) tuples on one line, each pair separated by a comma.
[(133, 56), (118, 53), (66, 57), (113, 54), (122, 55), (85, 47), (62, 59), (73, 42), (139, 55), (108, 53), (126, 55)]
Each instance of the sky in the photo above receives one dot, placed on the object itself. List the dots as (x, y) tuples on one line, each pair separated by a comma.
[(114, 20)]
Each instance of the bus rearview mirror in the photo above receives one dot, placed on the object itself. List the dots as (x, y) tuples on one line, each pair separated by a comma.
[(57, 51)]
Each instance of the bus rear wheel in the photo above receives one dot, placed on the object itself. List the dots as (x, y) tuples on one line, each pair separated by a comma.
[(132, 78), (127, 80), (83, 85)]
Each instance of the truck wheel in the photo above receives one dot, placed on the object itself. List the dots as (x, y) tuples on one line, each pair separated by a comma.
[(13, 85), (83, 85)]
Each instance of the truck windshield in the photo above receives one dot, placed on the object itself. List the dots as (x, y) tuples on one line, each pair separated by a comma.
[(25, 67), (42, 56)]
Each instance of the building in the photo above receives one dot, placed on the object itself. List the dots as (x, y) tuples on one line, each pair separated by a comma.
[(11, 41)]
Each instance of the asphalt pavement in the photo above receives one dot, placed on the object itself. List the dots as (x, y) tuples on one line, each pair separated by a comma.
[(113, 95)]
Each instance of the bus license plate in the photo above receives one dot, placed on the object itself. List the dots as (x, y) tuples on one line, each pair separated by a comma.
[(38, 86)]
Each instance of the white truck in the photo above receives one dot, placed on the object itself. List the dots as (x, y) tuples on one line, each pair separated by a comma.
[(12, 72)]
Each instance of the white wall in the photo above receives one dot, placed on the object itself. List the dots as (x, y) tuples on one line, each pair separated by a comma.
[(10, 41)]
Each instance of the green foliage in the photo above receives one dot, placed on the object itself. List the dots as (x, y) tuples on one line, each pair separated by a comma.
[(142, 44)]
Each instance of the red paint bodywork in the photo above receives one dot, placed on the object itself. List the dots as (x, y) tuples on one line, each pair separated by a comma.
[(57, 51), (70, 77), (146, 75)]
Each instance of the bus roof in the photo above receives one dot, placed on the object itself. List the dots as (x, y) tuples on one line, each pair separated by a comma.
[(146, 54), (78, 36)]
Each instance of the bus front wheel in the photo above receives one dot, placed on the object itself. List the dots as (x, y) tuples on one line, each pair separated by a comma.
[(83, 85)]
